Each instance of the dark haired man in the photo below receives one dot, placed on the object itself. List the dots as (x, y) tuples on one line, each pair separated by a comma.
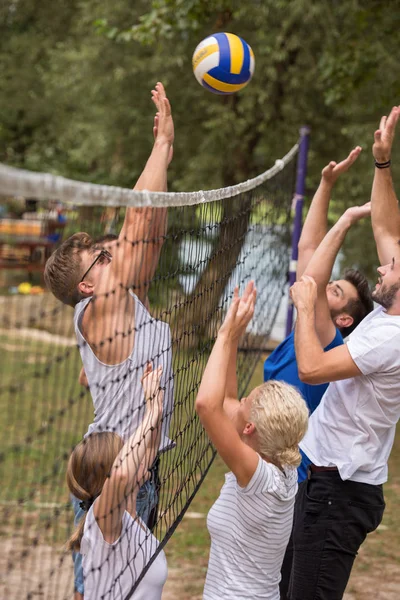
[(342, 303)]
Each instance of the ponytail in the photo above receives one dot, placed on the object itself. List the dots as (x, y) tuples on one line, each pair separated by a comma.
[(288, 457), (88, 468)]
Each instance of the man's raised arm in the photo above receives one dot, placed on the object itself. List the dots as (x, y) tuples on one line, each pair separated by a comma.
[(315, 225), (321, 265), (316, 366), (137, 252), (385, 209)]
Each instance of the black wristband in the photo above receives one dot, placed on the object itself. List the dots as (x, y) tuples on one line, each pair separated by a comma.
[(383, 165)]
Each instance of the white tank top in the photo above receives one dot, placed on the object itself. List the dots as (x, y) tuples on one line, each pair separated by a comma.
[(111, 570), (117, 393)]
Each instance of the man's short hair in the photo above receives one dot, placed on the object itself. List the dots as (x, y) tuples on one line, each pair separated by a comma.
[(107, 237), (360, 308), (63, 271)]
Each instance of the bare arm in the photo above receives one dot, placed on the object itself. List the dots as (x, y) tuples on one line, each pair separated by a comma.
[(124, 477), (321, 265), (315, 225), (385, 207), (316, 366), (143, 232), (82, 378), (239, 457), (231, 401), (231, 389)]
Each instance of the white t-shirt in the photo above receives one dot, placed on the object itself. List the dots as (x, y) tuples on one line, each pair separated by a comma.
[(111, 570), (250, 529), (353, 428)]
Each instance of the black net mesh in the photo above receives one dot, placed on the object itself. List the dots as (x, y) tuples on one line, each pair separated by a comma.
[(46, 410)]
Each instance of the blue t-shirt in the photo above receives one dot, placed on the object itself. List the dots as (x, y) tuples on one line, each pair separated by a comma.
[(282, 365)]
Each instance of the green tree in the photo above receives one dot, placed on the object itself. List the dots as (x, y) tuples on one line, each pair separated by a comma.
[(75, 79)]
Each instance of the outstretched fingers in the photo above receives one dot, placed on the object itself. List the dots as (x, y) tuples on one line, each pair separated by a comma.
[(333, 170), (167, 107), (248, 290), (160, 99), (246, 306), (155, 126), (383, 137), (347, 162), (354, 154), (163, 128), (151, 380)]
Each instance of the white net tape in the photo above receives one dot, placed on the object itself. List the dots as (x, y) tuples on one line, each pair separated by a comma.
[(43, 186)]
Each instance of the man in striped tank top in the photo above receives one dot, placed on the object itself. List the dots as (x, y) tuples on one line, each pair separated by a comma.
[(107, 285)]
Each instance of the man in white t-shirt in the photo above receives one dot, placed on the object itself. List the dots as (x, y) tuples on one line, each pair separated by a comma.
[(351, 433)]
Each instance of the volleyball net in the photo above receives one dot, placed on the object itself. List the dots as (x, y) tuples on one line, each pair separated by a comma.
[(214, 240)]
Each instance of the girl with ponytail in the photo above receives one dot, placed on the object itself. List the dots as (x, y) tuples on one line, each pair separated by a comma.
[(105, 475), (258, 439)]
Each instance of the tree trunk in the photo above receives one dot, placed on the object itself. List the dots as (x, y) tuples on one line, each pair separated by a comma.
[(206, 295)]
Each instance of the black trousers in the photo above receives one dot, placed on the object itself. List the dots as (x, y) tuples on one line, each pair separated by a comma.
[(332, 518), (155, 479)]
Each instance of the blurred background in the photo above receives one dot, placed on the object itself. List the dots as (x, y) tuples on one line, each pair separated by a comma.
[(75, 81)]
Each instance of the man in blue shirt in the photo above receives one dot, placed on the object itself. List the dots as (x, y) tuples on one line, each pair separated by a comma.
[(341, 304)]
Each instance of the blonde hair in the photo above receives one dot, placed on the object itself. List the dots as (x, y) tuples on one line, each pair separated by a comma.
[(62, 272), (88, 468), (280, 416)]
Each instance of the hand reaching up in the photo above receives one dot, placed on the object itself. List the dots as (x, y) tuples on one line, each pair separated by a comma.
[(384, 136), (163, 129), (304, 293), (151, 385), (240, 312), (331, 172), (355, 213)]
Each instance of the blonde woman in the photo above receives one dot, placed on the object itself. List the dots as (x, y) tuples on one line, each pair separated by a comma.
[(105, 474), (257, 438)]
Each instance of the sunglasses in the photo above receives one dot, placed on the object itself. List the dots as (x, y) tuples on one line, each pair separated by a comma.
[(102, 254)]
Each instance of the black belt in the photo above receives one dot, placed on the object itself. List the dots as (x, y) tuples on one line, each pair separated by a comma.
[(317, 469)]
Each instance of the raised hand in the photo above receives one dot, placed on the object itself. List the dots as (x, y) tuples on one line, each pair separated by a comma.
[(151, 385), (155, 134), (163, 128), (304, 293), (331, 172), (383, 137), (355, 213), (240, 312)]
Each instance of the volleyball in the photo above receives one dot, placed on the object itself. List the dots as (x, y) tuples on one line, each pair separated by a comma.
[(223, 63)]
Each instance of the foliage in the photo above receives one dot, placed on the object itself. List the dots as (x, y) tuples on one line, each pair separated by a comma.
[(75, 82)]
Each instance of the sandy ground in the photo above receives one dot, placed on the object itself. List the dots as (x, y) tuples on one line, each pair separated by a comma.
[(40, 573), (48, 575)]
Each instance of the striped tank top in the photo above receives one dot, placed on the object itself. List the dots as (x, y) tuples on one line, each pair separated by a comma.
[(116, 390)]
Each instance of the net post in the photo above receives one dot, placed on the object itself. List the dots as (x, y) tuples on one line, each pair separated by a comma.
[(298, 207)]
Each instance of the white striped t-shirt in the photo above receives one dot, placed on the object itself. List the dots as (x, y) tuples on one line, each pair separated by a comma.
[(111, 570), (250, 529)]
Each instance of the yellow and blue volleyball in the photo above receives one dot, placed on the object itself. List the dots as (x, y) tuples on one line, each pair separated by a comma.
[(223, 63)]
